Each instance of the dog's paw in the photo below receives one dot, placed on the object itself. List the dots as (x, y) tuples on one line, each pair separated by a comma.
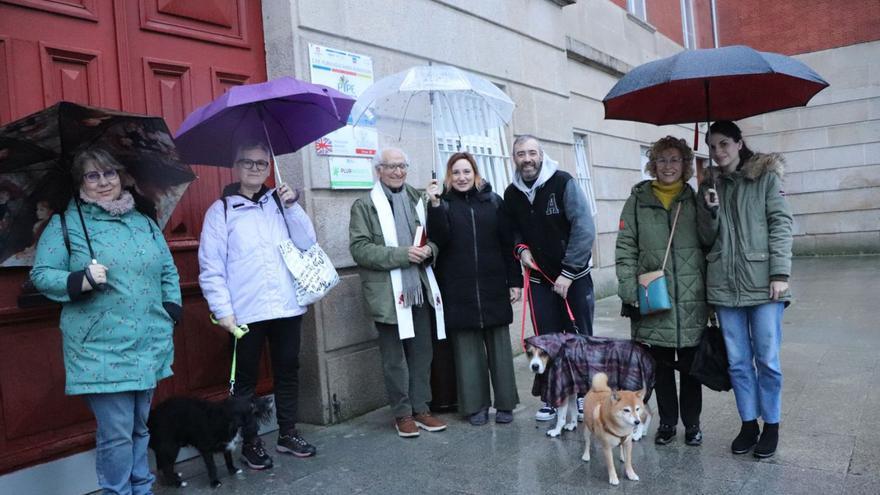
[(586, 456), (570, 426), (614, 481), (553, 433), (632, 476)]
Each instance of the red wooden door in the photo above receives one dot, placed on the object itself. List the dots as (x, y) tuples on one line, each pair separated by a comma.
[(161, 57)]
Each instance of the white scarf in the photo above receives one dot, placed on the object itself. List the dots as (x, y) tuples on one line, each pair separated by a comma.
[(405, 328)]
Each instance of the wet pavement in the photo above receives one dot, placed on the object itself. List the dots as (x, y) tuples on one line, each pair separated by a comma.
[(829, 439)]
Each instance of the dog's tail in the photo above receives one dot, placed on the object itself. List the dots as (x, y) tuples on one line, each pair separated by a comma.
[(600, 383)]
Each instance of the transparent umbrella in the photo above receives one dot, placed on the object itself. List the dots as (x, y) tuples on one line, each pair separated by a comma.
[(412, 102)]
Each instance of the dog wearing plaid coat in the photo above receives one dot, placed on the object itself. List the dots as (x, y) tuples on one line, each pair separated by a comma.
[(565, 363)]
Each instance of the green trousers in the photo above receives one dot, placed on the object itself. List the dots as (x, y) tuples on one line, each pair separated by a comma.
[(481, 355), (406, 364)]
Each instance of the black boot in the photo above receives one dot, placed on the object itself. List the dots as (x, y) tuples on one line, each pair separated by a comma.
[(769, 439), (747, 438)]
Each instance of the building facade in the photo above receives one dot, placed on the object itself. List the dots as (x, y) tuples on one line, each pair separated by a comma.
[(555, 58)]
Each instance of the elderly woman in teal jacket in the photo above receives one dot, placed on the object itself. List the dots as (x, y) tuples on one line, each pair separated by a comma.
[(118, 286)]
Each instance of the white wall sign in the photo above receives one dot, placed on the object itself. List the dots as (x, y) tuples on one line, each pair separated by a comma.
[(351, 74), (351, 173)]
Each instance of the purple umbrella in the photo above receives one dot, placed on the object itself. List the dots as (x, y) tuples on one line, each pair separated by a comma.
[(286, 112)]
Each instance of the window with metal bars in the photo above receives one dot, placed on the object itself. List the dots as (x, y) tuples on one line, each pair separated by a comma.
[(456, 125), (583, 170)]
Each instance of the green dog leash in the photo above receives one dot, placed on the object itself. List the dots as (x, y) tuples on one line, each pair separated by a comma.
[(239, 332)]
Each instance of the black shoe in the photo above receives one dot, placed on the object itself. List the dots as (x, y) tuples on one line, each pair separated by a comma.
[(292, 443), (254, 455), (693, 436), (480, 417), (769, 439), (665, 434), (747, 438)]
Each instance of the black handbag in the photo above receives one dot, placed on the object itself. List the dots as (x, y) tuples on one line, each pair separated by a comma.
[(710, 364)]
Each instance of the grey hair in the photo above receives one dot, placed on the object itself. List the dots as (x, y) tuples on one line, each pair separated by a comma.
[(102, 160), (252, 145), (377, 158), (525, 137)]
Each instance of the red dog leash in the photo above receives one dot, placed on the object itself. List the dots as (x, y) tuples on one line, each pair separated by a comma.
[(527, 293)]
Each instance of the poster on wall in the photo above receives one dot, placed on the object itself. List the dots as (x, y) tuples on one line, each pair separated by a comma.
[(350, 173), (351, 74)]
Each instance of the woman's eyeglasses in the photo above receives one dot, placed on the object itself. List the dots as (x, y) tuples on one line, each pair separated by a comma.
[(250, 164), (94, 176)]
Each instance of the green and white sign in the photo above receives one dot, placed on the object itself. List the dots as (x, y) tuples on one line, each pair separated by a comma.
[(350, 173)]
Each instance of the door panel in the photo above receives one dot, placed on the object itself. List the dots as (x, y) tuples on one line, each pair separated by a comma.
[(71, 74), (162, 57), (216, 21)]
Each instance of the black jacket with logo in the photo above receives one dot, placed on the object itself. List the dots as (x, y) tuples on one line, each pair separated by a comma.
[(557, 224)]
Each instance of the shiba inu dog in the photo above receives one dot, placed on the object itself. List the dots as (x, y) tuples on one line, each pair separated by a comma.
[(611, 417)]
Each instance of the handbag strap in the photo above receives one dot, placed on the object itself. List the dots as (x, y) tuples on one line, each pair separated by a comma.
[(671, 235)]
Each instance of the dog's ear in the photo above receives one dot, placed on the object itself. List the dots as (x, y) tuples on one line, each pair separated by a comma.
[(641, 394)]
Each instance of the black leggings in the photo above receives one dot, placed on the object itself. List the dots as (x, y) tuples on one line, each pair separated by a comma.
[(669, 402), (283, 335)]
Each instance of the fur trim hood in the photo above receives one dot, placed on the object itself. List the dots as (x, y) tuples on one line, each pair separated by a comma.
[(761, 163), (752, 169)]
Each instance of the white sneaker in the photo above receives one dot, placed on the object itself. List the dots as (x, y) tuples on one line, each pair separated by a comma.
[(546, 413), (581, 409)]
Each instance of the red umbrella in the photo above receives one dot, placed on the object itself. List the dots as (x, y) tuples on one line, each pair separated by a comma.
[(729, 83)]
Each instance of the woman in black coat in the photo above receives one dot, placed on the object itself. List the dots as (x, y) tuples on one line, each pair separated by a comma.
[(479, 279)]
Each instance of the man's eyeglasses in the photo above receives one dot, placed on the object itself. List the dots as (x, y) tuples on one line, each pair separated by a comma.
[(94, 176), (395, 166), (671, 161), (250, 164)]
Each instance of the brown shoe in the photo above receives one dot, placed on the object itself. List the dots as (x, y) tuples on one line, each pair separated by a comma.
[(429, 423), (406, 427)]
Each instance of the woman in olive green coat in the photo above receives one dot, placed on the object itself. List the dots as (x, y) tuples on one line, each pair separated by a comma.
[(645, 226)]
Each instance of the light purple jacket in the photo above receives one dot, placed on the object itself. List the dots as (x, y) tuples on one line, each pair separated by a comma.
[(241, 271)]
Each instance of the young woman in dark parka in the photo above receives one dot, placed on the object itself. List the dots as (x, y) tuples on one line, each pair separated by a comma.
[(479, 278)]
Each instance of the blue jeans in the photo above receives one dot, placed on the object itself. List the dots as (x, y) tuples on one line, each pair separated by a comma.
[(121, 441), (753, 335)]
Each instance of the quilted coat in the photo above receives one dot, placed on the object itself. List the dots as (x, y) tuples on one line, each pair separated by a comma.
[(641, 243)]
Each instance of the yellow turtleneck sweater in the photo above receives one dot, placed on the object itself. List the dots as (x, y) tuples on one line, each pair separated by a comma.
[(666, 193)]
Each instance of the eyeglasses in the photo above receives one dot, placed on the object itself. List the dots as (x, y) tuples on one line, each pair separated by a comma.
[(671, 161), (250, 164), (94, 176), (395, 166)]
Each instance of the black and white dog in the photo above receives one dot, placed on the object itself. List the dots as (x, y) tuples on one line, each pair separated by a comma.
[(209, 427)]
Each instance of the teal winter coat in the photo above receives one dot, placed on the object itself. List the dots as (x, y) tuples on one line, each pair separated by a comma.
[(641, 244), (118, 339)]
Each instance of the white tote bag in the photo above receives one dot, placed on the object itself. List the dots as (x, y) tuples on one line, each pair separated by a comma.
[(312, 271)]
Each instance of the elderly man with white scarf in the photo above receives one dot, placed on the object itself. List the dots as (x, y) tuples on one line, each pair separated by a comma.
[(400, 288)]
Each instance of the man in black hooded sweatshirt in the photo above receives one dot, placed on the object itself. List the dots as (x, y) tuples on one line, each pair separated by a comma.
[(554, 232)]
